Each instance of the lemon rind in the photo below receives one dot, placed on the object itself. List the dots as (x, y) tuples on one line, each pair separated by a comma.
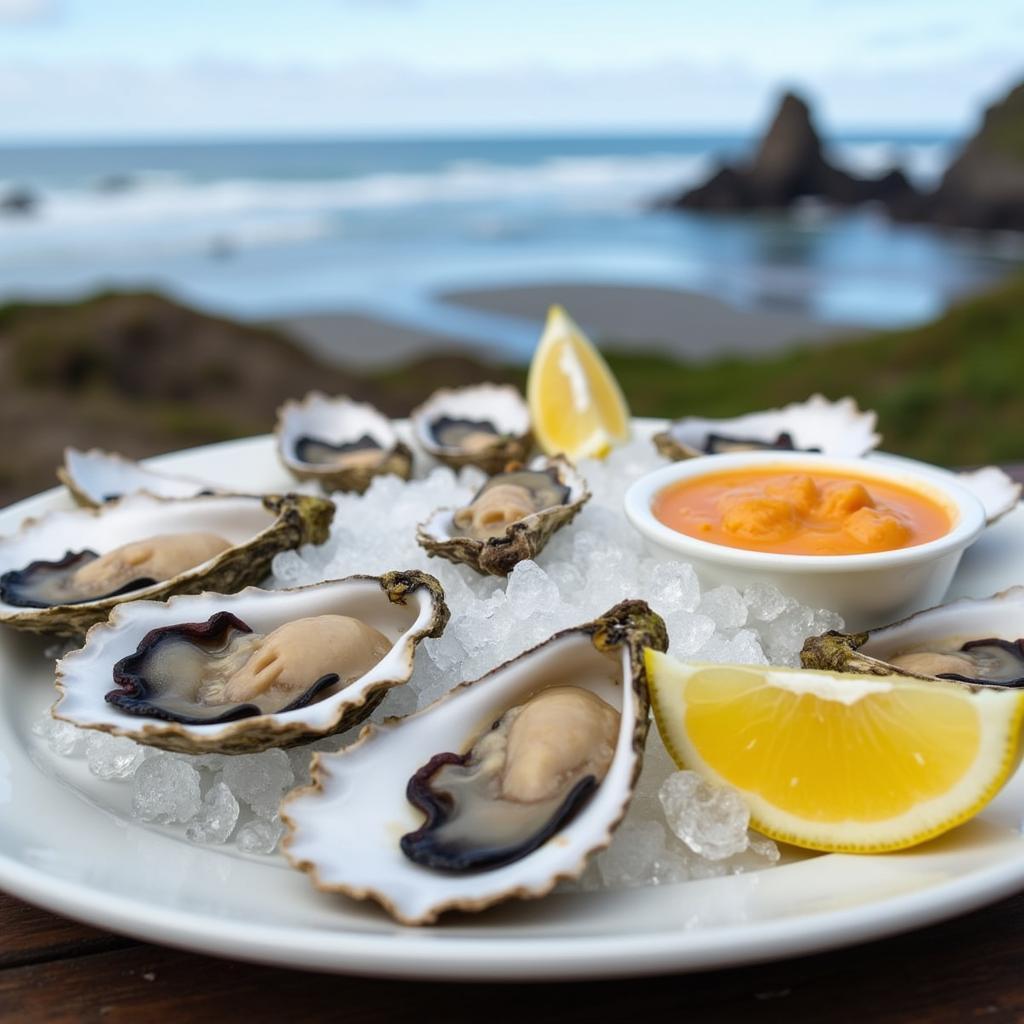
[(925, 821), (598, 442)]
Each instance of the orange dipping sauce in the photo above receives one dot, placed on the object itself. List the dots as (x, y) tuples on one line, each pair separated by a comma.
[(801, 512)]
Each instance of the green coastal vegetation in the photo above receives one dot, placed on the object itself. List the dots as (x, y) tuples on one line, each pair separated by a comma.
[(140, 374), (949, 392)]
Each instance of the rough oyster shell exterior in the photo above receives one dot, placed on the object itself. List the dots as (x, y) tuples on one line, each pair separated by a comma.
[(521, 540), (260, 528), (96, 477), (501, 405), (342, 827), (996, 491), (1000, 616), (406, 606), (839, 429), (338, 421)]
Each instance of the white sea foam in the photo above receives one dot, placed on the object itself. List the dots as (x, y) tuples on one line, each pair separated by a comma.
[(621, 180)]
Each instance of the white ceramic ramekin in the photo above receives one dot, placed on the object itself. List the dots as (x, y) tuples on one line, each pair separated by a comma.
[(867, 590)]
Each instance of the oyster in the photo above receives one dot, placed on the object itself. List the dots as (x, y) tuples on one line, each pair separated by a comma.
[(82, 576), (833, 428), (339, 443), (510, 518), (996, 491), (239, 673), (519, 783), (486, 815), (970, 640), (96, 477), (66, 570), (487, 425)]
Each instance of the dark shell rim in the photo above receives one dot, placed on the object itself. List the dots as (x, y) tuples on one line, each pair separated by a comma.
[(133, 693), (398, 585), (629, 626), (485, 426), (288, 508), (14, 577), (420, 848), (342, 448), (551, 472)]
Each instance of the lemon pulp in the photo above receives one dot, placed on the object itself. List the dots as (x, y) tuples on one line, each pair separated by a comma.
[(576, 404), (839, 762)]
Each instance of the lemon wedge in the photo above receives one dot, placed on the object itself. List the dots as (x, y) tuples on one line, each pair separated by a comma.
[(576, 404), (860, 764)]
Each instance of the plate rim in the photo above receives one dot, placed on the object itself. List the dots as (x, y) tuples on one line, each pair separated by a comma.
[(431, 953)]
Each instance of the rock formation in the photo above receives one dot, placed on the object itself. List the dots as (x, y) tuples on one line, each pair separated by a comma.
[(18, 201), (984, 186), (790, 165)]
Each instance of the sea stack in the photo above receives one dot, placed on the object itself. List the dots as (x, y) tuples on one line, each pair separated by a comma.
[(984, 186), (789, 166)]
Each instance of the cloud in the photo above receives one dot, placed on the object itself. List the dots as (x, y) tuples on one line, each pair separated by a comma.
[(224, 98), (936, 32), (22, 12)]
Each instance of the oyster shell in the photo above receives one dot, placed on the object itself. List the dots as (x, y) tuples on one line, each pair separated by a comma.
[(833, 428), (344, 829), (977, 641), (487, 425), (90, 560), (239, 673), (96, 477), (996, 491), (339, 443), (509, 519)]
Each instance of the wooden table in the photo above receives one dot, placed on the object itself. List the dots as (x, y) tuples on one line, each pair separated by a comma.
[(968, 969)]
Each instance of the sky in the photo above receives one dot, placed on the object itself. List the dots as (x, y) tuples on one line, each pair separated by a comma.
[(126, 69)]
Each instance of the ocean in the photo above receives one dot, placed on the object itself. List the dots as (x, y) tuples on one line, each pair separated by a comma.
[(264, 230)]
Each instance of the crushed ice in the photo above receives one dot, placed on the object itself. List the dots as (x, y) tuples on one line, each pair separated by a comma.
[(677, 827)]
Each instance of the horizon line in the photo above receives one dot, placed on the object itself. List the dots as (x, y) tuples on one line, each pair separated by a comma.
[(931, 132)]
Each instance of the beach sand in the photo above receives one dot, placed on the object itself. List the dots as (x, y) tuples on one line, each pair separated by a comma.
[(683, 324), (367, 343)]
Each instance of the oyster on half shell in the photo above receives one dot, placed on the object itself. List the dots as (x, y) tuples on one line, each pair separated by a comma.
[(97, 477), (839, 429), (234, 674), (499, 790), (486, 425), (977, 641), (66, 570), (509, 519), (339, 443)]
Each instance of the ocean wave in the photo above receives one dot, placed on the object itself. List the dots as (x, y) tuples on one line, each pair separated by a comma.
[(573, 181)]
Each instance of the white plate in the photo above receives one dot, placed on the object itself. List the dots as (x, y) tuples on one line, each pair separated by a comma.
[(66, 843)]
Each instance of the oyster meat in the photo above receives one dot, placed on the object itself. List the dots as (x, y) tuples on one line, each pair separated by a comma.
[(977, 641), (86, 576), (839, 429), (66, 570), (231, 674), (518, 785), (339, 443), (220, 670), (487, 425), (96, 477), (498, 790), (509, 519)]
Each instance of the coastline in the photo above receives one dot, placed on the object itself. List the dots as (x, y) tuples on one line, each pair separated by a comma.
[(681, 324)]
